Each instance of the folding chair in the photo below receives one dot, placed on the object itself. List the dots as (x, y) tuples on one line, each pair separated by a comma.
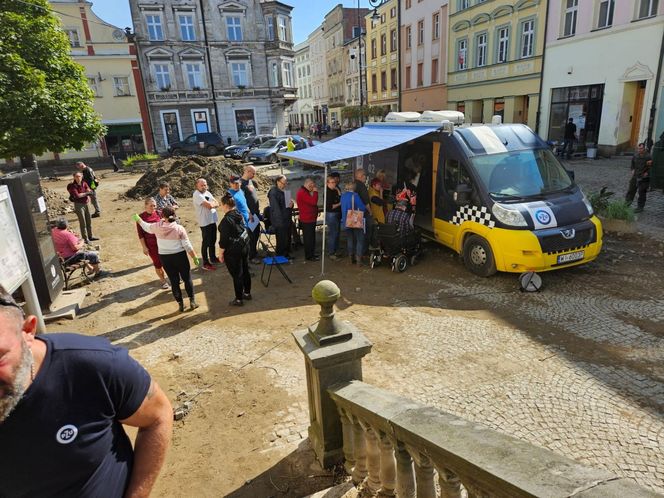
[(271, 260)]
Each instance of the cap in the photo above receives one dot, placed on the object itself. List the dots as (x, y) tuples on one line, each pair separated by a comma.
[(234, 179)]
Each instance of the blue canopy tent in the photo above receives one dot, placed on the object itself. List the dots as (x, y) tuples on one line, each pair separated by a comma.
[(371, 138)]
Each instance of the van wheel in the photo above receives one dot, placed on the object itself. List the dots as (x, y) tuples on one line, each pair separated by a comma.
[(478, 256)]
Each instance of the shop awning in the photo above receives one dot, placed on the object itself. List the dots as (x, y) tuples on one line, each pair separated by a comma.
[(366, 140)]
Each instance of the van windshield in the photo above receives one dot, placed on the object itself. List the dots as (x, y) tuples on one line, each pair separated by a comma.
[(522, 173)]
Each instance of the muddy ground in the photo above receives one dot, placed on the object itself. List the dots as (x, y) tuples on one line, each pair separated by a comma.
[(240, 371)]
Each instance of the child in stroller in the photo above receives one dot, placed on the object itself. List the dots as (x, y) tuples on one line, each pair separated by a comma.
[(396, 242)]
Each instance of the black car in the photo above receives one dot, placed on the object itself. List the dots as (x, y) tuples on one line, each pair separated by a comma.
[(241, 149), (209, 144)]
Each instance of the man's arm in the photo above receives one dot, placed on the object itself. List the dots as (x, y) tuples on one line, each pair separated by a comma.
[(154, 419)]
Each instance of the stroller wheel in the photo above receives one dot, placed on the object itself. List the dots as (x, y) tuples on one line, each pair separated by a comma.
[(400, 263), (373, 260)]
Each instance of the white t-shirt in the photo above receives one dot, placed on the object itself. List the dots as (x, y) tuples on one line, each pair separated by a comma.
[(204, 216)]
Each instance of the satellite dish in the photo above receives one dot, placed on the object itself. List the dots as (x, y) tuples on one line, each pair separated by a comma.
[(530, 282)]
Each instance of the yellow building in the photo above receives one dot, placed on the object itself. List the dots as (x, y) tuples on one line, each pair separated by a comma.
[(109, 59), (495, 59), (382, 56)]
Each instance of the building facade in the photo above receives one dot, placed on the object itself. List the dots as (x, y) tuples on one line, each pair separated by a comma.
[(495, 56), (601, 63), (302, 112), (383, 56), (110, 63), (219, 65), (318, 57), (355, 82), (424, 55)]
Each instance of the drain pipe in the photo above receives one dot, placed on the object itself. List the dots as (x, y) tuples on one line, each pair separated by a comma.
[(541, 83), (653, 107), (209, 68)]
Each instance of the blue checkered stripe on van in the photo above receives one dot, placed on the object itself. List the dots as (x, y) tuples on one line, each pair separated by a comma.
[(480, 215)]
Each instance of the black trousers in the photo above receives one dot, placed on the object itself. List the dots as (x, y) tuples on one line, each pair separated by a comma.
[(253, 241), (309, 239), (209, 235), (283, 240), (177, 267), (238, 267), (637, 185)]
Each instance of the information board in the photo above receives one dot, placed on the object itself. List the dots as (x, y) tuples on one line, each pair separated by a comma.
[(13, 266)]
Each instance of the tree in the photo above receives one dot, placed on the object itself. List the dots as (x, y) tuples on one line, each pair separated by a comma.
[(45, 101)]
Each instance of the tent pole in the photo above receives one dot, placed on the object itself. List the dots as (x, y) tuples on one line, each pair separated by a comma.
[(322, 256)]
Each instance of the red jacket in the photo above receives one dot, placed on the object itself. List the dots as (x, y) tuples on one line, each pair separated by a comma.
[(308, 205)]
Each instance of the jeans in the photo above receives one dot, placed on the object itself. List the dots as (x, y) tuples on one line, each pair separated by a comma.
[(309, 239), (332, 220), (209, 235), (237, 264), (177, 267), (641, 185), (83, 214), (355, 242), (95, 202)]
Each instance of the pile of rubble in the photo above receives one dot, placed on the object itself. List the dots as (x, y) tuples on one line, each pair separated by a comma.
[(181, 174), (58, 204)]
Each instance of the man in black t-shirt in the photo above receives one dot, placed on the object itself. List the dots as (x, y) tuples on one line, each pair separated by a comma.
[(91, 179), (570, 136), (63, 400), (251, 194)]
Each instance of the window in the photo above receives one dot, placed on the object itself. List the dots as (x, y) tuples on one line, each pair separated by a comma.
[(357, 31), (162, 76), (571, 7), (407, 77), (269, 21), (464, 4), (121, 86), (409, 40), (382, 18), (194, 75), (647, 8), (383, 44), (234, 28), (420, 74), (383, 81), (420, 32), (436, 26), (434, 71), (605, 18), (373, 48), (275, 74), (393, 12), (288, 74), (187, 27), (283, 28), (374, 86), (239, 73), (393, 40), (503, 44), (462, 52), (155, 32), (409, 4), (527, 38), (393, 78), (94, 86), (74, 40), (480, 50)]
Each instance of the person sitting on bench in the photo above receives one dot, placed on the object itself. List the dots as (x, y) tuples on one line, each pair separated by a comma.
[(71, 249)]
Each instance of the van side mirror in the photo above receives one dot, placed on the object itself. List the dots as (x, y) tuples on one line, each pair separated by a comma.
[(570, 173), (462, 194)]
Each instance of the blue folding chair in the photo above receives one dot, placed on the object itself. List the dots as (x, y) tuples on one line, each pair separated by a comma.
[(271, 260)]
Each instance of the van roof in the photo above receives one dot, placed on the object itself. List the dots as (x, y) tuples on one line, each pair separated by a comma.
[(479, 140)]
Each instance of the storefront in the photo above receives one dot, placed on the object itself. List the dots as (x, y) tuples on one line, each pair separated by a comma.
[(124, 140), (581, 103)]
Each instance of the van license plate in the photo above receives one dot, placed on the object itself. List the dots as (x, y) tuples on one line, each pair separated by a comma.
[(568, 258)]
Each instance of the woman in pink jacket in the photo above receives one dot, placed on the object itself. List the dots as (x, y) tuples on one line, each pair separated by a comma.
[(173, 245)]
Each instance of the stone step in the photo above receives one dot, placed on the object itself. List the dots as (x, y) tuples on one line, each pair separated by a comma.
[(343, 490)]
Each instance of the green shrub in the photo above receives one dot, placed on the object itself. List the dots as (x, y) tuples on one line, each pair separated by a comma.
[(619, 210), (127, 163), (600, 200)]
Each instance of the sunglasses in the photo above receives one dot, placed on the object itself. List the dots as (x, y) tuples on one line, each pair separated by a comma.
[(9, 303)]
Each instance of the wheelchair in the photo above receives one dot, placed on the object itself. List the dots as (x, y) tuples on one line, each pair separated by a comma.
[(390, 246)]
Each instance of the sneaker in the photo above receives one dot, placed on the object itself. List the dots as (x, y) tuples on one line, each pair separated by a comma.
[(208, 266), (255, 261), (236, 302), (165, 286), (192, 305), (93, 238), (638, 210), (215, 261), (246, 297), (95, 215), (181, 306)]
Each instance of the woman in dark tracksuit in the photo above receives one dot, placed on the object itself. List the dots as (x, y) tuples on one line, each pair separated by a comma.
[(234, 243)]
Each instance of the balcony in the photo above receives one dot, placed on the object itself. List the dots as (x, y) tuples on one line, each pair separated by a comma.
[(496, 71), (175, 95)]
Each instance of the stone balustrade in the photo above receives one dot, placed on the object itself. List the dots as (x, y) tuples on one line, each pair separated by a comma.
[(396, 447)]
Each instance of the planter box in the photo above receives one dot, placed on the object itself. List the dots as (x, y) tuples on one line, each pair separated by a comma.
[(612, 225)]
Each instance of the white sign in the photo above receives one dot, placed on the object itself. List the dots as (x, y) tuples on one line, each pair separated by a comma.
[(41, 203), (13, 265)]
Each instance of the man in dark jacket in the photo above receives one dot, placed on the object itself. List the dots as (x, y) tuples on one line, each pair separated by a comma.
[(234, 244), (569, 137), (280, 215), (91, 179), (251, 195), (640, 179)]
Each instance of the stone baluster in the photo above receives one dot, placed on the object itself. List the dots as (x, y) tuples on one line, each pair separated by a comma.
[(388, 468), (426, 485), (348, 449), (360, 450), (373, 459), (405, 475), (450, 485), (474, 490)]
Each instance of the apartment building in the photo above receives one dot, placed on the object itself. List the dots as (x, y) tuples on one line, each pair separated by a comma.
[(495, 59), (218, 65), (302, 112), (382, 39), (318, 57), (424, 55), (602, 58)]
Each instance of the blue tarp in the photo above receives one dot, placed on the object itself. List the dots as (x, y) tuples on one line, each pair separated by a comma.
[(370, 138)]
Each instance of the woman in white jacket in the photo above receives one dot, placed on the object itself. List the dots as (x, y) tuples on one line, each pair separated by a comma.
[(173, 245)]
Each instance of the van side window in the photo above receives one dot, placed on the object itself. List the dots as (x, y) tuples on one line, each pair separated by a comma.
[(455, 175)]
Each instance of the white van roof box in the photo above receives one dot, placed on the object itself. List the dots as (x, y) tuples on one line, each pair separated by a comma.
[(402, 117), (455, 117)]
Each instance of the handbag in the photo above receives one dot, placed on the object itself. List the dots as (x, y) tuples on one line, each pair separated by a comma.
[(354, 217)]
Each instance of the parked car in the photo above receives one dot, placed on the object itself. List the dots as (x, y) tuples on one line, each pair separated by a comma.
[(242, 149), (210, 144), (267, 151)]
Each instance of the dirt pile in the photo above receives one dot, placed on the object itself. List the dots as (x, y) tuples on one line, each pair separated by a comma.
[(57, 203), (182, 172)]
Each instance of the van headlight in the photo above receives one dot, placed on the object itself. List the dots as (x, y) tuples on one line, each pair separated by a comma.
[(589, 206), (508, 215)]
